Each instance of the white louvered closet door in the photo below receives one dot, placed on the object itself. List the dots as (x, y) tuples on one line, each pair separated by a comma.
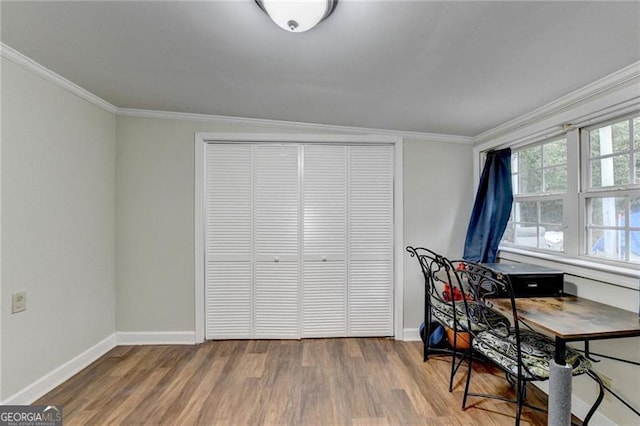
[(299, 241), (229, 269), (371, 241), (324, 284), (277, 241)]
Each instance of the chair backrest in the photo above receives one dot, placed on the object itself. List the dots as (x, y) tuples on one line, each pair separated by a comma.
[(439, 279), (481, 284)]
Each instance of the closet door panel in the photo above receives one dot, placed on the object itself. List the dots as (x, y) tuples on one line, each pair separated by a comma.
[(277, 241), (325, 202), (229, 192), (371, 202), (228, 279), (276, 300), (324, 284), (370, 298), (371, 240), (276, 199), (325, 299), (228, 300)]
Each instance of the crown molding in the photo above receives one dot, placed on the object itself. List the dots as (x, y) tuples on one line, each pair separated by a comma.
[(221, 119), (37, 69), (625, 77)]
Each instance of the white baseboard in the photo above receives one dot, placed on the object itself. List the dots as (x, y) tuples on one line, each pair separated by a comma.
[(155, 338), (411, 335), (580, 408), (56, 377)]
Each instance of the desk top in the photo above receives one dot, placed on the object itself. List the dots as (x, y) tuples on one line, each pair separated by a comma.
[(574, 318)]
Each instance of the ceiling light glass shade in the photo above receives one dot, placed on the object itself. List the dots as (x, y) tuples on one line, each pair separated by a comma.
[(297, 16)]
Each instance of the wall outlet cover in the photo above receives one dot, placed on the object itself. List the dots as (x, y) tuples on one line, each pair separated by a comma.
[(18, 302)]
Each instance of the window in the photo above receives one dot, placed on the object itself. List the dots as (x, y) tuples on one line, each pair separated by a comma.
[(612, 196), (578, 194), (539, 178)]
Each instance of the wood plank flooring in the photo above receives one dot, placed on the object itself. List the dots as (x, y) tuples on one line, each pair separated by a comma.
[(272, 382)]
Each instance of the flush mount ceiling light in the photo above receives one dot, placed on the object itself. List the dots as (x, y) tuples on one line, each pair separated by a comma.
[(297, 16)]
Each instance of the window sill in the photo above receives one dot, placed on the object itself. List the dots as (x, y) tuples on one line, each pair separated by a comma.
[(609, 274)]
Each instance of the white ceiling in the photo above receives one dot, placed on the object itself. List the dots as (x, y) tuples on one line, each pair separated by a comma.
[(456, 68)]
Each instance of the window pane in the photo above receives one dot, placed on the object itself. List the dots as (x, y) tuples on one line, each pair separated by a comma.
[(607, 211), (634, 255), (621, 136), (555, 179), (595, 211), (637, 162), (605, 244), (526, 211), (596, 174), (531, 182), (621, 172), (531, 158), (553, 238), (551, 212), (610, 171), (552, 229), (527, 234), (555, 153), (634, 237), (594, 143), (610, 139), (509, 233), (636, 132)]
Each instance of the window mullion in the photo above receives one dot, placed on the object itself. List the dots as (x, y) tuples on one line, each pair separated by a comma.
[(572, 208)]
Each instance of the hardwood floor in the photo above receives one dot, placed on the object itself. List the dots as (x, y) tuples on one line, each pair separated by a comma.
[(272, 382)]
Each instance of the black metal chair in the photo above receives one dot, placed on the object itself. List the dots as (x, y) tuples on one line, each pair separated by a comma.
[(437, 273), (443, 306), (522, 353)]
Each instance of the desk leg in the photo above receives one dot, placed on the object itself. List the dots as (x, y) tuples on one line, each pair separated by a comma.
[(560, 376)]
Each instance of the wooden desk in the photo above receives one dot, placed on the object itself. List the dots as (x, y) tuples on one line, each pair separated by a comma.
[(570, 319)]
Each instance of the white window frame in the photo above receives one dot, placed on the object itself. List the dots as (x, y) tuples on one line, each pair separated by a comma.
[(608, 191), (543, 196), (613, 96), (575, 240), (585, 157), (572, 259), (585, 243)]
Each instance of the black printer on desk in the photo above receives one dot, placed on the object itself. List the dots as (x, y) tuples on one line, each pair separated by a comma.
[(529, 280)]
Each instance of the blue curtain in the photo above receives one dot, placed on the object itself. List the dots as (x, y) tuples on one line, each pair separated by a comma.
[(491, 209)]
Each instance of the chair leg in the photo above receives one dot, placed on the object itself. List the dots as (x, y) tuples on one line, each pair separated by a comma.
[(466, 386), (453, 370), (520, 391), (596, 404), (427, 334)]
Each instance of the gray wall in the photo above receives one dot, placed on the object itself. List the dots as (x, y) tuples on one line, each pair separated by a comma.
[(438, 196), (58, 163), (154, 216)]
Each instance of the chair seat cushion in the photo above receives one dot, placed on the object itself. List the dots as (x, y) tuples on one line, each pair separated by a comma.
[(537, 352), (481, 318)]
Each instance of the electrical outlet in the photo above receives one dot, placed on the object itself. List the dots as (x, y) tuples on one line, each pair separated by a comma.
[(18, 302)]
